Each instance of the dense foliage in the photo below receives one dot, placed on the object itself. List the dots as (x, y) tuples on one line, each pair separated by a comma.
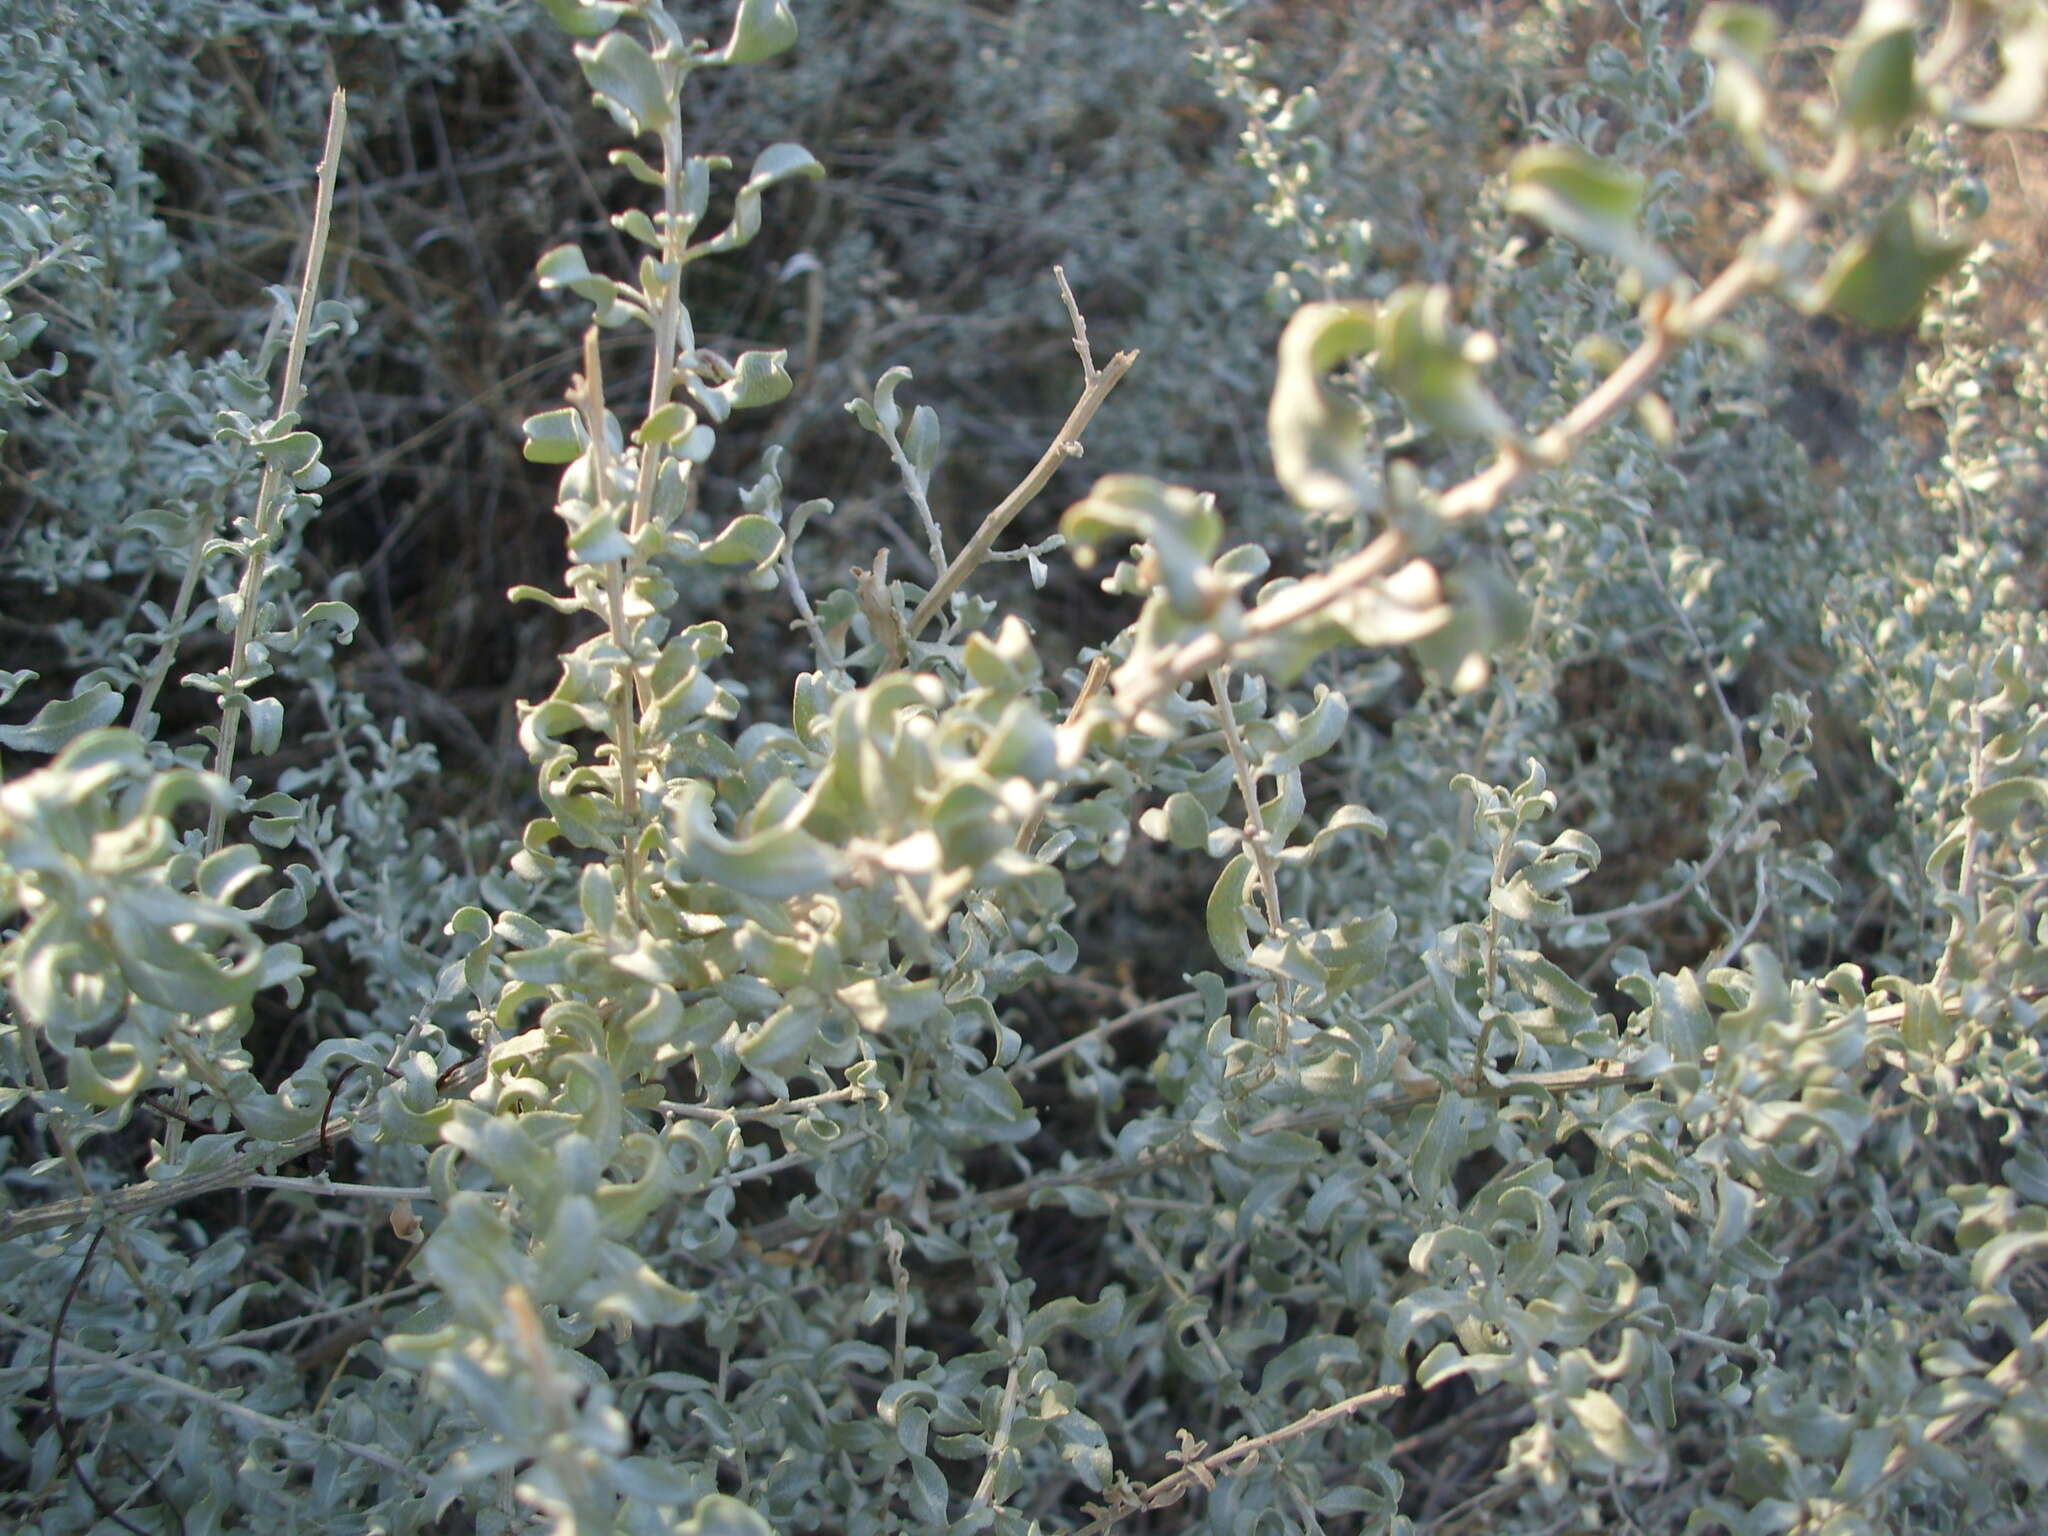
[(1457, 944)]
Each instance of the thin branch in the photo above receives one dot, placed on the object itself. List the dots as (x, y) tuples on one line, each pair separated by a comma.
[(1176, 1486), (1117, 1025), (1248, 791), (1669, 324), (1408, 1094), (1065, 446), (1734, 945), (1079, 323), (984, 1491), (153, 1194), (1655, 904), (285, 1430), (920, 499), (270, 490), (325, 1186), (237, 1173), (712, 1114), (250, 1335), (1229, 1380), (1699, 645)]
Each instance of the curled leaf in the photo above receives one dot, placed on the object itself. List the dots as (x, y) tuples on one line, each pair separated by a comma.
[(1880, 279), (1318, 437), (761, 30), (1589, 202), (1433, 368), (626, 79), (774, 862)]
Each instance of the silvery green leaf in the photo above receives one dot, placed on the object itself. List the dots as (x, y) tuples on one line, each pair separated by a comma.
[(107, 1077), (886, 413), (1488, 614), (623, 71), (1276, 1149), (636, 167), (1739, 39), (274, 819), (1679, 1019), (665, 425), (1228, 934), (1005, 661), (760, 30), (747, 540), (584, 18), (554, 437), (697, 171), (599, 538), (758, 379), (1736, 1207), (1874, 68), (1020, 745), (1097, 1320), (780, 1042), (1423, 359), (636, 223), (927, 1493), (566, 267), (293, 452), (1318, 438), (921, 442), (1610, 1431), (62, 721), (1324, 1359), (1181, 526), (803, 512), (1310, 737), (1997, 807), (1589, 202), (1442, 1143), (1181, 821), (266, 725), (1880, 279), (774, 165), (1739, 31), (775, 862)]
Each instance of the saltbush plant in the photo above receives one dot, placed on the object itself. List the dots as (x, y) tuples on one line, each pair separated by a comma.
[(774, 1134)]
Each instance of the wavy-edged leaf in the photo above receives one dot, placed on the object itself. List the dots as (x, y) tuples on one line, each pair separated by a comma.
[(1318, 437), (1880, 279), (1591, 203)]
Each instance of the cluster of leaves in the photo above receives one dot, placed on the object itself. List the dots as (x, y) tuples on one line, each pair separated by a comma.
[(771, 1147)]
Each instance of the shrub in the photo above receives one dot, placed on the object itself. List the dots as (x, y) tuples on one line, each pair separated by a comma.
[(1601, 1092)]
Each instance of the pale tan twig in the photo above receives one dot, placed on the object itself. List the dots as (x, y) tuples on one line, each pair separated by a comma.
[(712, 1114), (1176, 1486), (320, 1186), (1668, 324), (1248, 791), (269, 489), (1065, 446)]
